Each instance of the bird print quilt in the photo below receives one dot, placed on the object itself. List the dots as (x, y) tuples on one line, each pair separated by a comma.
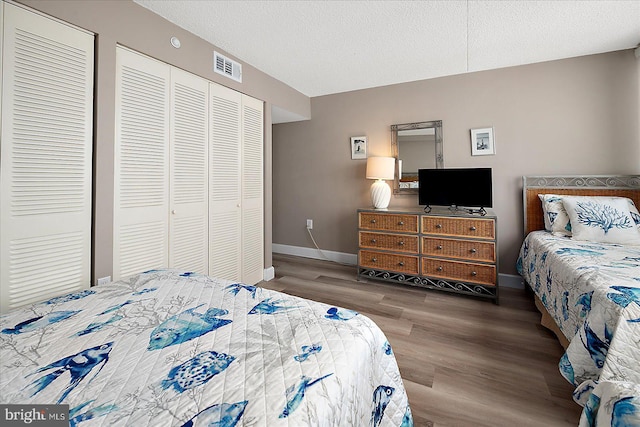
[(173, 348), (592, 290)]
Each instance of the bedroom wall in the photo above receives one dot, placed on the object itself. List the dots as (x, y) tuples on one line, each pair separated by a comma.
[(128, 24), (573, 116), (634, 155)]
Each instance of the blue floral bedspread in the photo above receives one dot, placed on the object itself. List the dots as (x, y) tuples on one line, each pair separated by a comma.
[(592, 290), (170, 348)]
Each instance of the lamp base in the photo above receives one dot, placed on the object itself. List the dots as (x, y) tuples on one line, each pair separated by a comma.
[(380, 194)]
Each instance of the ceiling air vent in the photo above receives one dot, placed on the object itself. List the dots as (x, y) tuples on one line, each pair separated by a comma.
[(227, 67)]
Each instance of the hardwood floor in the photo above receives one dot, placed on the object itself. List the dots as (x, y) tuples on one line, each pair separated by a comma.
[(464, 361)]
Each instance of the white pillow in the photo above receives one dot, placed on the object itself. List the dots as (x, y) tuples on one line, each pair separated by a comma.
[(601, 219), (557, 221), (633, 210)]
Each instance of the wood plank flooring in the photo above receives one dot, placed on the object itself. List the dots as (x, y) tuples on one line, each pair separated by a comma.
[(464, 361)]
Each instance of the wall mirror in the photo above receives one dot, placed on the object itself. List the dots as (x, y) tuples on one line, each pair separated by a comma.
[(415, 146)]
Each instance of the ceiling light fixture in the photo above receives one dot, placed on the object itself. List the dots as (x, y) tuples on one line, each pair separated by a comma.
[(175, 42)]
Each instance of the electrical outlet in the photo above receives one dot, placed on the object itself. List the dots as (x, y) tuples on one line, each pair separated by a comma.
[(104, 280), (310, 224)]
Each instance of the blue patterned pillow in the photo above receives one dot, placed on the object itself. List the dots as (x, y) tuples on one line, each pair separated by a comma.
[(557, 221), (601, 219)]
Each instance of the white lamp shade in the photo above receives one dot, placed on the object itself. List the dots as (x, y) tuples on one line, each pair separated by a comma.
[(380, 167)]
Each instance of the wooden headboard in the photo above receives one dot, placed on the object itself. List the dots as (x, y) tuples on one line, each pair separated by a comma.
[(579, 185)]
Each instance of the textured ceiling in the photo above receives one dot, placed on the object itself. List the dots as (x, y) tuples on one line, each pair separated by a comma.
[(325, 47)]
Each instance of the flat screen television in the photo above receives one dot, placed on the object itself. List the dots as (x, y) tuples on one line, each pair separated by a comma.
[(457, 187)]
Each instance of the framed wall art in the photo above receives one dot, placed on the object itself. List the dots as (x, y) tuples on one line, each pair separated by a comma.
[(482, 142), (358, 147)]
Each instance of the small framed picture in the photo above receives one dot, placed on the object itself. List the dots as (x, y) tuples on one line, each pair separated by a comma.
[(358, 147), (482, 143)]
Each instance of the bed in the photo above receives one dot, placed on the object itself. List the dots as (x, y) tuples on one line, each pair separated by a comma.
[(588, 291), (173, 348)]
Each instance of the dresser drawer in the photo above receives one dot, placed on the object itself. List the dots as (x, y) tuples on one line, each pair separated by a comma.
[(467, 227), (462, 271), (388, 222), (392, 262), (393, 242), (474, 250)]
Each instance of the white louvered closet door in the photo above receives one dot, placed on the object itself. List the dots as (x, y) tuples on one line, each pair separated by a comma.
[(141, 206), (45, 178), (225, 231), (188, 221), (252, 190)]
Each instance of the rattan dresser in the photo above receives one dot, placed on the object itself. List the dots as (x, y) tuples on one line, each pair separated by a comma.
[(444, 250)]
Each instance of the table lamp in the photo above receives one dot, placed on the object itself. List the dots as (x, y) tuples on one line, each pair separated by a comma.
[(380, 169)]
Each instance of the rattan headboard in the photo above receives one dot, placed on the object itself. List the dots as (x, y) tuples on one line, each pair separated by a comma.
[(583, 185)]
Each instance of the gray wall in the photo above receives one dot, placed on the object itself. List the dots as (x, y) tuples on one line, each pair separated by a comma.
[(574, 116), (128, 24)]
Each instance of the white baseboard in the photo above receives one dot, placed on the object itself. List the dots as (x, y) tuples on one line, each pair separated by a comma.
[(506, 280), (269, 274), (315, 254)]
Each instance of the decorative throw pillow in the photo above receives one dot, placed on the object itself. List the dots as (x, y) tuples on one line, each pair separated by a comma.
[(601, 219), (556, 219), (633, 210)]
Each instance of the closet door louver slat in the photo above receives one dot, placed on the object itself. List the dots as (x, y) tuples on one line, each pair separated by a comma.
[(46, 149)]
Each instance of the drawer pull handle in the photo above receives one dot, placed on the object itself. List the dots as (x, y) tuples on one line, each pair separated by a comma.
[(374, 259), (373, 240), (438, 225), (473, 273), (473, 250), (401, 243), (373, 221), (439, 247), (401, 264), (439, 268), (401, 223), (472, 228)]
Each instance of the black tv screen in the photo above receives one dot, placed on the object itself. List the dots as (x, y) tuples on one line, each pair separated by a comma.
[(470, 187)]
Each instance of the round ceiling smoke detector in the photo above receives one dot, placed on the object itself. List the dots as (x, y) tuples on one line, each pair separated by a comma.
[(175, 42)]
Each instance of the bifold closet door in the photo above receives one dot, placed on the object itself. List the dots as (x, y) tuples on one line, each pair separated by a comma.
[(188, 181), (252, 190), (236, 225), (225, 198), (141, 185), (161, 167), (45, 155)]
